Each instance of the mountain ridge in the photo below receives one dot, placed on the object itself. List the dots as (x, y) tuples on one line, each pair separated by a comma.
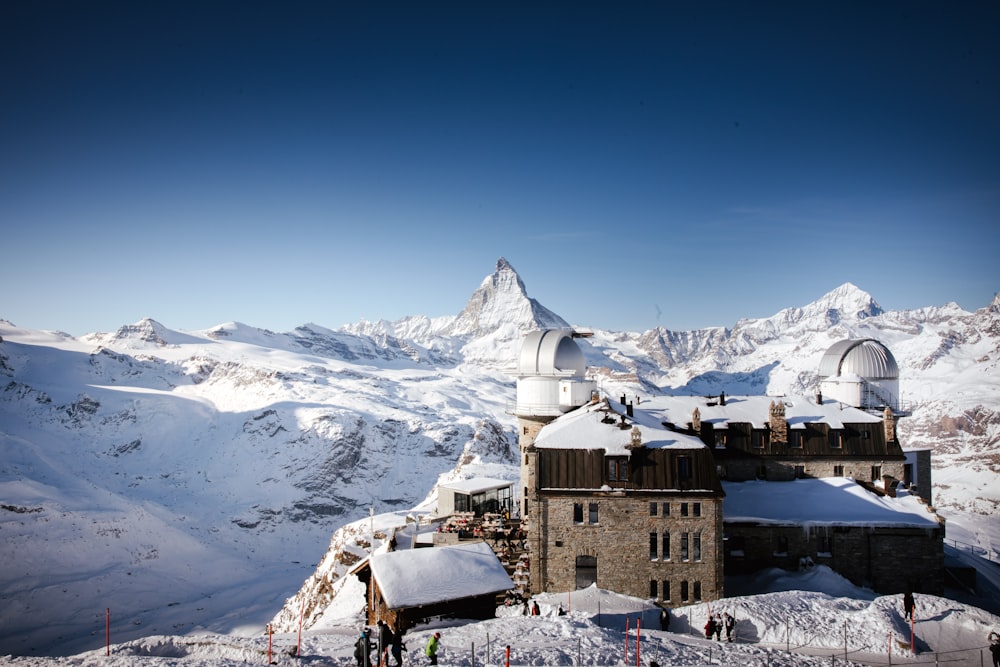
[(256, 445)]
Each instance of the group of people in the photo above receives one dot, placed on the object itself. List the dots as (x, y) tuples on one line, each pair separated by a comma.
[(386, 642), (717, 623)]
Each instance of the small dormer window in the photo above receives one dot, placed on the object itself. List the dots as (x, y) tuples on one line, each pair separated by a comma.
[(617, 468)]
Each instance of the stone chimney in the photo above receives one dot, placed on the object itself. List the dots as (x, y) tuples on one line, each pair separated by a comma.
[(777, 422), (889, 422), (696, 420), (636, 442)]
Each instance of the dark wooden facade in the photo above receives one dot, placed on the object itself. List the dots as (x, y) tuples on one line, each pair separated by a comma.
[(864, 441), (645, 469)]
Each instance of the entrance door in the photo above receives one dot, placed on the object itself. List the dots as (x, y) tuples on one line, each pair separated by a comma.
[(586, 571)]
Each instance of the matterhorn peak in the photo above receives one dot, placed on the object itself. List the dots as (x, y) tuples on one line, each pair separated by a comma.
[(500, 300)]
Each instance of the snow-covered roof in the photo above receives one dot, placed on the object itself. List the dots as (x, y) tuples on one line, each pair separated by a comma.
[(830, 501), (477, 484), (755, 410), (588, 428), (416, 577)]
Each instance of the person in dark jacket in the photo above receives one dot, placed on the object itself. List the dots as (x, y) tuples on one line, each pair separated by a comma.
[(908, 605), (384, 642), (730, 623), (397, 647), (664, 619), (710, 627)]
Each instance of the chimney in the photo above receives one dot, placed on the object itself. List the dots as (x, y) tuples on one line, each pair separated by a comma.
[(722, 398), (622, 399), (628, 409), (819, 398), (778, 423), (696, 420), (889, 423)]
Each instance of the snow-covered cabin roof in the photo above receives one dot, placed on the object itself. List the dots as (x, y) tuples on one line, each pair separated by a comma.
[(477, 484), (596, 426), (865, 357), (416, 577), (829, 501), (755, 410)]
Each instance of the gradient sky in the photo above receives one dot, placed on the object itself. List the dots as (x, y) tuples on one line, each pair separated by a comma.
[(639, 164)]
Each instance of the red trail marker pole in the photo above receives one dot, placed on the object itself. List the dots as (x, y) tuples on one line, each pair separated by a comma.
[(638, 626), (298, 647), (625, 660)]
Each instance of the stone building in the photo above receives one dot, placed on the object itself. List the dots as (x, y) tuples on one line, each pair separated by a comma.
[(633, 500), (610, 496)]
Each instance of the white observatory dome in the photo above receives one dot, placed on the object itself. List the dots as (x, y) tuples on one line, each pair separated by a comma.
[(551, 352), (866, 358), (551, 374)]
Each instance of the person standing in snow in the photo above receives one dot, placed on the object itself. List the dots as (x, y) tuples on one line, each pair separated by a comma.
[(535, 611), (384, 642), (908, 605), (730, 623), (432, 648), (664, 619), (718, 628), (397, 647), (709, 627), (363, 650), (995, 648)]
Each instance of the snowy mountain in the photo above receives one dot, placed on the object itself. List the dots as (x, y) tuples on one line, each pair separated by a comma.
[(161, 472)]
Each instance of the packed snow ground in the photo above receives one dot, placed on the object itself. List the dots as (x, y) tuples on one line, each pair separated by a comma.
[(782, 628)]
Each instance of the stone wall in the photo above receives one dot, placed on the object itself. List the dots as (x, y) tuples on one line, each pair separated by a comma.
[(737, 470), (887, 560), (620, 541)]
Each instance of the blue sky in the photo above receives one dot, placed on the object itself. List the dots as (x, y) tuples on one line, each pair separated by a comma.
[(640, 164)]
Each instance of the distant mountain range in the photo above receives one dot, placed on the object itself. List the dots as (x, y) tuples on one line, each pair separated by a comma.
[(151, 463)]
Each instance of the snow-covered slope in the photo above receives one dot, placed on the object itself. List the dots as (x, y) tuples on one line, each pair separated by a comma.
[(158, 471)]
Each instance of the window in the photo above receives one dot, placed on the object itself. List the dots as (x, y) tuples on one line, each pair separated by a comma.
[(617, 469), (666, 509), (696, 509), (865, 434), (696, 546), (684, 591), (838, 471), (653, 592), (825, 547), (794, 438), (684, 509), (684, 547), (577, 512), (652, 509), (666, 546), (683, 468), (666, 589), (876, 473), (800, 472), (720, 439), (833, 438), (653, 542), (758, 438), (697, 591), (781, 546), (593, 513)]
